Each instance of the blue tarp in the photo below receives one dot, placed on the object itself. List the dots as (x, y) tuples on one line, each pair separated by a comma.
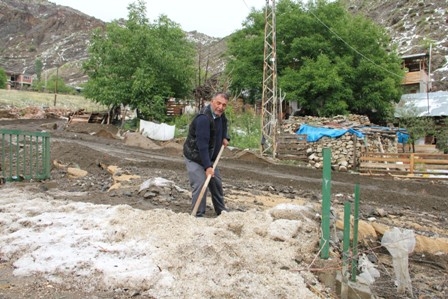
[(315, 133), (402, 137)]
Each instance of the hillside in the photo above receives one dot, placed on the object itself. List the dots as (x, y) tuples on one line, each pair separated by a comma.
[(413, 25), (59, 35)]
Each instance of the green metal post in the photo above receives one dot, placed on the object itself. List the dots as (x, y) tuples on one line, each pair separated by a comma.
[(17, 155), (10, 156), (355, 234), (37, 154), (3, 156), (46, 160), (24, 154), (326, 203), (31, 155)]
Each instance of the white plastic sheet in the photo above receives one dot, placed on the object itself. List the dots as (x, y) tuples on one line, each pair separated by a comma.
[(369, 272), (400, 243), (162, 132)]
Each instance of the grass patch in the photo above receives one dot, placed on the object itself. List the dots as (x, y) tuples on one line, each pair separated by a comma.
[(23, 99), (244, 128)]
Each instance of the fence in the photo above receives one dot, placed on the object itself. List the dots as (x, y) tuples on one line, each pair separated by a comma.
[(419, 165), (24, 155), (292, 147)]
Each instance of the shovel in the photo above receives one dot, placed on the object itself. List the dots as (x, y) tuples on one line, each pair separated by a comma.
[(204, 187)]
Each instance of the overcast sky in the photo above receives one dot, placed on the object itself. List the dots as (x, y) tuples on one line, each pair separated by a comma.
[(216, 18)]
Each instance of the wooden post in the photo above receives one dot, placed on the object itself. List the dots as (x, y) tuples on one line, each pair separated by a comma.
[(355, 152), (411, 163), (56, 85)]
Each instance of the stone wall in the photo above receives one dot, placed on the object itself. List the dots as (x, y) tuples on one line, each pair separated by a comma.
[(346, 149)]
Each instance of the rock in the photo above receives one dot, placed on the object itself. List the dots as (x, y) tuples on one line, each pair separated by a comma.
[(149, 195), (380, 212), (76, 172), (291, 212), (343, 163), (283, 229), (343, 168)]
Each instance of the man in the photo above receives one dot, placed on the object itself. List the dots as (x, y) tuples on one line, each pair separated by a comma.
[(206, 135)]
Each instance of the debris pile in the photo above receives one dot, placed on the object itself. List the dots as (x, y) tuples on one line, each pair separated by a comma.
[(159, 190)]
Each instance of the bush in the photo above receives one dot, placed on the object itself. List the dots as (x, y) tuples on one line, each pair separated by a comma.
[(181, 122), (131, 124), (244, 128)]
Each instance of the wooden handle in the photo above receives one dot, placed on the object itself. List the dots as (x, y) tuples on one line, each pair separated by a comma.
[(204, 187)]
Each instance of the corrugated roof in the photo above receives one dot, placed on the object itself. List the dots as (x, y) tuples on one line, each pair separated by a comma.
[(415, 55), (423, 104)]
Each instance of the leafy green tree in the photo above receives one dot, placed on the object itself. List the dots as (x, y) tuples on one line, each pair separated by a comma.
[(416, 126), (61, 86), (38, 65), (442, 139), (38, 85), (140, 64), (245, 58), (328, 60), (3, 78)]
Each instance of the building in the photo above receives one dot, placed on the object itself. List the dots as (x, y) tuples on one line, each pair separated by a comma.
[(433, 105), (416, 78), (18, 81)]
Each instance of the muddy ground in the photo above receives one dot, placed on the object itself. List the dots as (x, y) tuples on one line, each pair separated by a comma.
[(250, 182)]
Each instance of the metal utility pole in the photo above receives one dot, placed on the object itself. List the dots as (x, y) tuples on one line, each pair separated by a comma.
[(269, 109)]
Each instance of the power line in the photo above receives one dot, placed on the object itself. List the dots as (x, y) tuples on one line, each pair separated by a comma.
[(244, 1), (354, 49)]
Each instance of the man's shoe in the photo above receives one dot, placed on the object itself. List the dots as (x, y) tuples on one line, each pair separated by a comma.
[(223, 211)]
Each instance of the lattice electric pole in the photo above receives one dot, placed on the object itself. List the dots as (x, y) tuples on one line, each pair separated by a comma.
[(269, 107)]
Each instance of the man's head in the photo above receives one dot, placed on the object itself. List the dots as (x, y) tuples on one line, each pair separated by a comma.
[(219, 103)]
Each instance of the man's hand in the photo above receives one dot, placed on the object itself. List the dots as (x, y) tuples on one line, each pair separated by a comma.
[(225, 142), (210, 171)]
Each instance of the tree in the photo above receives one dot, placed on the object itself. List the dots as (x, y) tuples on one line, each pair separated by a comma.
[(38, 65), (328, 60), (441, 134), (3, 78), (417, 126), (50, 85), (140, 64), (56, 81)]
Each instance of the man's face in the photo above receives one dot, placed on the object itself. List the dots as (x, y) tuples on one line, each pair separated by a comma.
[(218, 105)]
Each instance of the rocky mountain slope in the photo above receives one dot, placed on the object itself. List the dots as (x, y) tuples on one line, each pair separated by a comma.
[(415, 26), (59, 35)]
